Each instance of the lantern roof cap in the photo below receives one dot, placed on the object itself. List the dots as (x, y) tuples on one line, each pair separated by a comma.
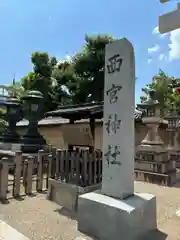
[(13, 101), (33, 95), (151, 101)]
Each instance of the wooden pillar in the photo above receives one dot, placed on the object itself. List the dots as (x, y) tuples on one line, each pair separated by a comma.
[(70, 147), (92, 127)]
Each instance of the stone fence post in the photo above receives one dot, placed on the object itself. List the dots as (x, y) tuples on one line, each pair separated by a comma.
[(17, 174), (40, 171), (30, 160), (53, 163), (4, 178)]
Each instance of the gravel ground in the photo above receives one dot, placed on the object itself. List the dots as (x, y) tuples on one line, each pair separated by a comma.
[(38, 218)]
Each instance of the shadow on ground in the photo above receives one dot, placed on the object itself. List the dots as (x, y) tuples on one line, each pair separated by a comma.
[(67, 213), (155, 235)]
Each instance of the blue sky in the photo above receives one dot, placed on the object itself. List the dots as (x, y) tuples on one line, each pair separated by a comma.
[(58, 27)]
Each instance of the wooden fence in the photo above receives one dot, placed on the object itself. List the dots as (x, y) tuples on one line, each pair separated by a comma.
[(28, 174), (82, 168)]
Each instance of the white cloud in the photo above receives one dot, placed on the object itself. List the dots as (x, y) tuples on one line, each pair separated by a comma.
[(174, 46), (67, 57), (153, 49), (149, 60), (156, 32), (161, 56), (163, 35)]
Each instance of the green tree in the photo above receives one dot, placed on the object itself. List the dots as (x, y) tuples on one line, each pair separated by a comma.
[(164, 92), (75, 90), (77, 81), (89, 67), (41, 79), (3, 123), (65, 83), (16, 89)]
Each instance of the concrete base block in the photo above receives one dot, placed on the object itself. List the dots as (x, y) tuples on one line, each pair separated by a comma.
[(66, 194), (178, 213), (107, 218)]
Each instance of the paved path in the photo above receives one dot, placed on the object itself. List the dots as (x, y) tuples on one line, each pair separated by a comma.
[(9, 233), (40, 219)]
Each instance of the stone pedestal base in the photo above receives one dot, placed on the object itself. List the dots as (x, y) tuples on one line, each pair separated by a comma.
[(107, 218), (163, 172), (66, 194)]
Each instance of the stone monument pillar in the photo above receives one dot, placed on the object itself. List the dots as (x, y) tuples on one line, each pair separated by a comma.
[(116, 210)]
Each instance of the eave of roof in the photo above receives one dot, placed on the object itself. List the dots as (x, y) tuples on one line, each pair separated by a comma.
[(79, 111), (83, 111), (50, 121)]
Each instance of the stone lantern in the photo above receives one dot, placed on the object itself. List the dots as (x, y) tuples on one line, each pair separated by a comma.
[(13, 115), (32, 141), (152, 163), (152, 119)]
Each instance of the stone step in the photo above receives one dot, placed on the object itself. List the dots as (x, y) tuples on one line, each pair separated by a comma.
[(158, 178), (156, 167)]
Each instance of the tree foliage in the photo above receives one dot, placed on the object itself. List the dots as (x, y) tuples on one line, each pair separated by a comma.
[(89, 66), (164, 92), (40, 78), (16, 89), (65, 83), (79, 80), (3, 123), (83, 76)]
